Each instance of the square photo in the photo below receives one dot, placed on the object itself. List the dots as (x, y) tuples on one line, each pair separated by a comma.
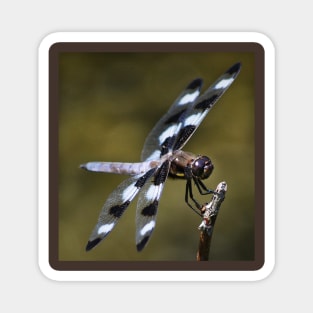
[(156, 156)]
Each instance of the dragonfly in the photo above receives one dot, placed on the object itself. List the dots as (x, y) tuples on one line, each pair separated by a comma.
[(161, 158)]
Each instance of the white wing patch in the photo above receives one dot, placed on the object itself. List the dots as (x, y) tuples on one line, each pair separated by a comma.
[(224, 83), (104, 229), (153, 192), (193, 119), (130, 192), (189, 97), (169, 132), (147, 228)]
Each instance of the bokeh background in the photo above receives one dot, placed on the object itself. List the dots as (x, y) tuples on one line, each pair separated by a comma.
[(108, 103)]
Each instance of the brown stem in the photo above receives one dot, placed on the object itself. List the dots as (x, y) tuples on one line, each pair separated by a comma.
[(209, 214)]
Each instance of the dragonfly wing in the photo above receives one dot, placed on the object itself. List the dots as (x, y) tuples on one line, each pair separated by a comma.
[(170, 123), (197, 112), (115, 206), (148, 205)]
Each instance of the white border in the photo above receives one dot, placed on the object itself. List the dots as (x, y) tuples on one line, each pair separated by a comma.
[(43, 157)]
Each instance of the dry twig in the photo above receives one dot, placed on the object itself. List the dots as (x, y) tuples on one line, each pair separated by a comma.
[(209, 214)]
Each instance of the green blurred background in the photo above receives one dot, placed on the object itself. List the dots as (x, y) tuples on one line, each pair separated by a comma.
[(108, 103)]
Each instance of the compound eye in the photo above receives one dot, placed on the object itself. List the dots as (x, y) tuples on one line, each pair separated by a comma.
[(202, 167)]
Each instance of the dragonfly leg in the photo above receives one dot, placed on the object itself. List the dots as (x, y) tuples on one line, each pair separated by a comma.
[(203, 190), (189, 194)]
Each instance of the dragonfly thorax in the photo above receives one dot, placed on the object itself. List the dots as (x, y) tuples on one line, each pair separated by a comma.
[(186, 164)]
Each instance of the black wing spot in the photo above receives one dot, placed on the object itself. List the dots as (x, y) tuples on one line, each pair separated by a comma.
[(175, 118), (234, 69), (164, 150), (183, 135), (207, 103), (161, 174), (167, 144), (92, 244), (118, 210), (142, 180), (151, 209), (196, 83), (142, 243)]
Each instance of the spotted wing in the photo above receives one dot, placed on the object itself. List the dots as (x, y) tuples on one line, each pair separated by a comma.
[(147, 206), (115, 206), (157, 142), (193, 116)]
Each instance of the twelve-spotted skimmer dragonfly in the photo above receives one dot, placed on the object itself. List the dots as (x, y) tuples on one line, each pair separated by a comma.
[(161, 157)]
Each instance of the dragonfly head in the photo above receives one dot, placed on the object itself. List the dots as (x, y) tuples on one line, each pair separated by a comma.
[(202, 167)]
